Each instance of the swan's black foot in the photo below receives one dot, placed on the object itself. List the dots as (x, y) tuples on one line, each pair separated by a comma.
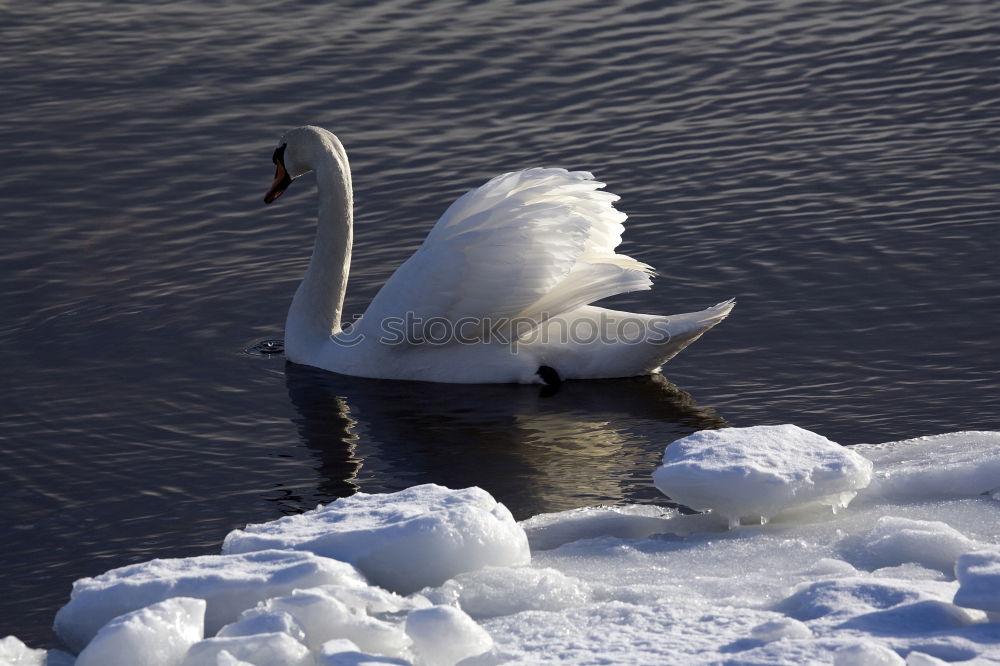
[(550, 378)]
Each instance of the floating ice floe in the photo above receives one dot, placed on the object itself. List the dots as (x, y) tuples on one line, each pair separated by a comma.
[(401, 541), (873, 584), (759, 472)]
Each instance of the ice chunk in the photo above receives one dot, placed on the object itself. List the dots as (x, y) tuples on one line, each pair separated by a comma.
[(866, 653), (979, 580), (228, 583), (418, 537), (930, 543), (760, 471), (265, 622), (157, 635), (343, 652), (444, 635), (324, 617), (260, 650), (495, 591), (13, 652), (957, 464)]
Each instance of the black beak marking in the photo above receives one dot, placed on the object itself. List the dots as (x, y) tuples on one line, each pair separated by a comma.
[(281, 178)]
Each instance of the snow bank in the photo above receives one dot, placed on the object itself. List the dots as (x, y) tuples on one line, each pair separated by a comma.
[(898, 577), (228, 583), (401, 541), (759, 472)]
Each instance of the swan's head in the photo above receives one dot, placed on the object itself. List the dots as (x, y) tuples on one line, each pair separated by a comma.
[(299, 151)]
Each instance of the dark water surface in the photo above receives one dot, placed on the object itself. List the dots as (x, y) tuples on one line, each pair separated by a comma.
[(834, 166)]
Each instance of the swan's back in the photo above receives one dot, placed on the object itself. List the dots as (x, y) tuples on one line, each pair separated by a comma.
[(526, 246)]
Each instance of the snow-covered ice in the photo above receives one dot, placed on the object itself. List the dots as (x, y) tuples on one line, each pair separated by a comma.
[(228, 583), (324, 617), (951, 465), (979, 580), (759, 472), (930, 543), (13, 652), (445, 635), (908, 573), (259, 649), (437, 532), (343, 652)]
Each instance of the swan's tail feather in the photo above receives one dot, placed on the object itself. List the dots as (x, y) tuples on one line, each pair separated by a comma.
[(585, 284), (688, 327)]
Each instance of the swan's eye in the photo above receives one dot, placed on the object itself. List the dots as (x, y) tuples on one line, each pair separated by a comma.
[(279, 154)]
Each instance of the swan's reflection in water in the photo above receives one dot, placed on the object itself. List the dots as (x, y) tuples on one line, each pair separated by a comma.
[(591, 442)]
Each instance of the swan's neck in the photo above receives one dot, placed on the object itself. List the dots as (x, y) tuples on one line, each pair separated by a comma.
[(319, 301)]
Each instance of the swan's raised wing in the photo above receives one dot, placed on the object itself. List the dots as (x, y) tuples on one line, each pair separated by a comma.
[(524, 247)]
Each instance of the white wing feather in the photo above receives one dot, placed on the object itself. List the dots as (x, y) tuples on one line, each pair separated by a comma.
[(527, 245)]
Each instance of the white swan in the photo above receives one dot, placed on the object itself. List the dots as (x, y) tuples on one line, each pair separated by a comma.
[(499, 291)]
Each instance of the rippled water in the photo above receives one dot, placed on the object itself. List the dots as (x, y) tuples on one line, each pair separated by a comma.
[(834, 166)]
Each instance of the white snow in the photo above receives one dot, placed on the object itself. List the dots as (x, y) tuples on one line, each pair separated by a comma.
[(866, 653), (908, 573), (758, 472), (437, 532), (775, 630), (157, 635)]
